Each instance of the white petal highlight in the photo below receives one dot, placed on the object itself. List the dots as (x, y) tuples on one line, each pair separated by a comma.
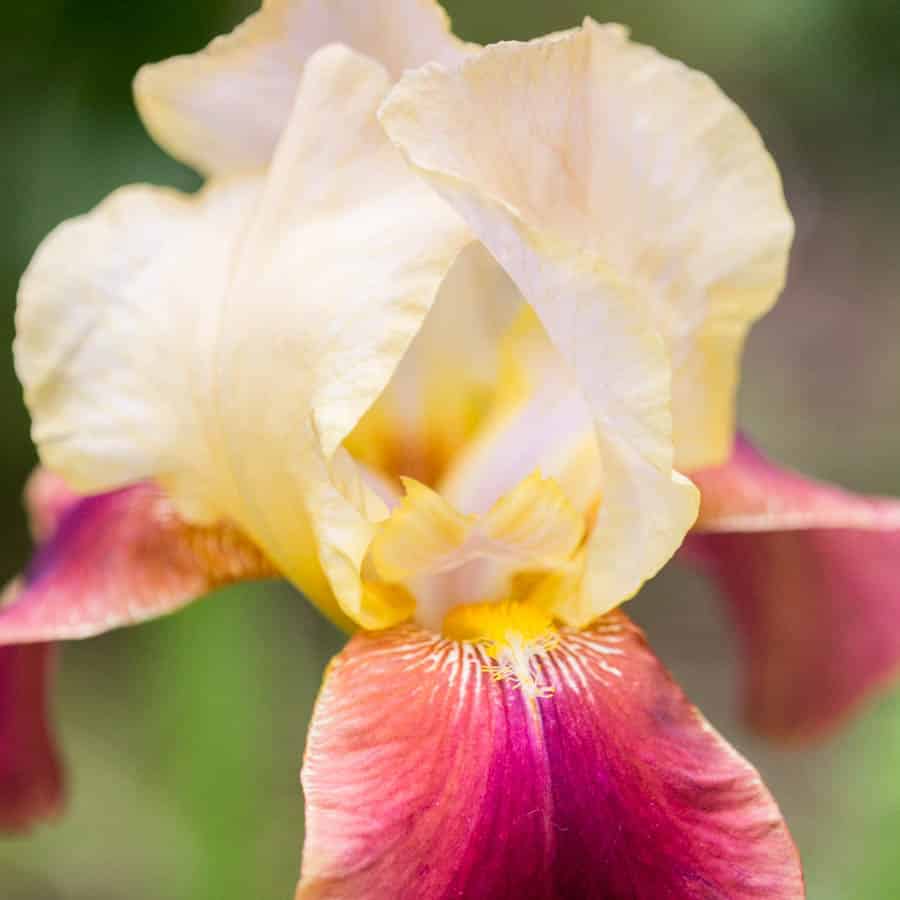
[(223, 109)]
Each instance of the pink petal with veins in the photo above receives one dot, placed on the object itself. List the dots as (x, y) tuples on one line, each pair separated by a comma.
[(426, 779)]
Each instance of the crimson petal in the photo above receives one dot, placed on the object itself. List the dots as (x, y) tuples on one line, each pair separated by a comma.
[(812, 573), (102, 561), (31, 775), (425, 778), (31, 781)]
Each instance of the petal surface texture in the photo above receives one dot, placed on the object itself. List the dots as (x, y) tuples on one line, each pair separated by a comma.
[(223, 109), (115, 329), (425, 778), (643, 165), (587, 196), (339, 268), (31, 780), (813, 576), (120, 558)]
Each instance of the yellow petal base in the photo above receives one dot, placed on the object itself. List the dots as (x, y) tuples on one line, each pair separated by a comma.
[(513, 633)]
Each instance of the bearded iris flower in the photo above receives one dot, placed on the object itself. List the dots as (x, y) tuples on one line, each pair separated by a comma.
[(442, 348)]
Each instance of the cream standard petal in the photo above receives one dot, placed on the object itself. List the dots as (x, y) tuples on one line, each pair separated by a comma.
[(343, 260), (510, 139), (224, 108), (595, 143), (115, 326), (117, 323)]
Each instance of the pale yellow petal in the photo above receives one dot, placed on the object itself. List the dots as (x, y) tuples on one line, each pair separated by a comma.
[(539, 419), (588, 140), (364, 489), (512, 139), (563, 593), (534, 524), (460, 338), (340, 266), (224, 345), (423, 532), (385, 605), (445, 386), (531, 528), (223, 109), (116, 324)]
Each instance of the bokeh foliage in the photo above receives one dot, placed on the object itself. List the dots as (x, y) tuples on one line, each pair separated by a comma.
[(184, 737)]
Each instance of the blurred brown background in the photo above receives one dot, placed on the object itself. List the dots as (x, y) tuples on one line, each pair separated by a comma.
[(184, 737)]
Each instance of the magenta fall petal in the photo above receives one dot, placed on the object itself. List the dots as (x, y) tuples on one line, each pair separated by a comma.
[(427, 779), (812, 573), (31, 780), (31, 775), (101, 561), (120, 558)]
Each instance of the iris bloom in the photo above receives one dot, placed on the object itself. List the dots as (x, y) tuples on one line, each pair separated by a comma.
[(438, 349)]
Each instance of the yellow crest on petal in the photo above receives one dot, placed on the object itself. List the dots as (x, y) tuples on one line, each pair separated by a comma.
[(517, 635)]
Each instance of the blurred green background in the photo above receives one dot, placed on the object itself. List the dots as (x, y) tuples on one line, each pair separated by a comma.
[(184, 737)]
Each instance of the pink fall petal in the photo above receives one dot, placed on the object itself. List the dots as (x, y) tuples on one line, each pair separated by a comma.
[(425, 779), (101, 561), (117, 559), (31, 781), (813, 576)]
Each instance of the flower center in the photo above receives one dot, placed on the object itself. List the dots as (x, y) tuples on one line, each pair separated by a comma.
[(446, 558), (481, 482), (517, 635)]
